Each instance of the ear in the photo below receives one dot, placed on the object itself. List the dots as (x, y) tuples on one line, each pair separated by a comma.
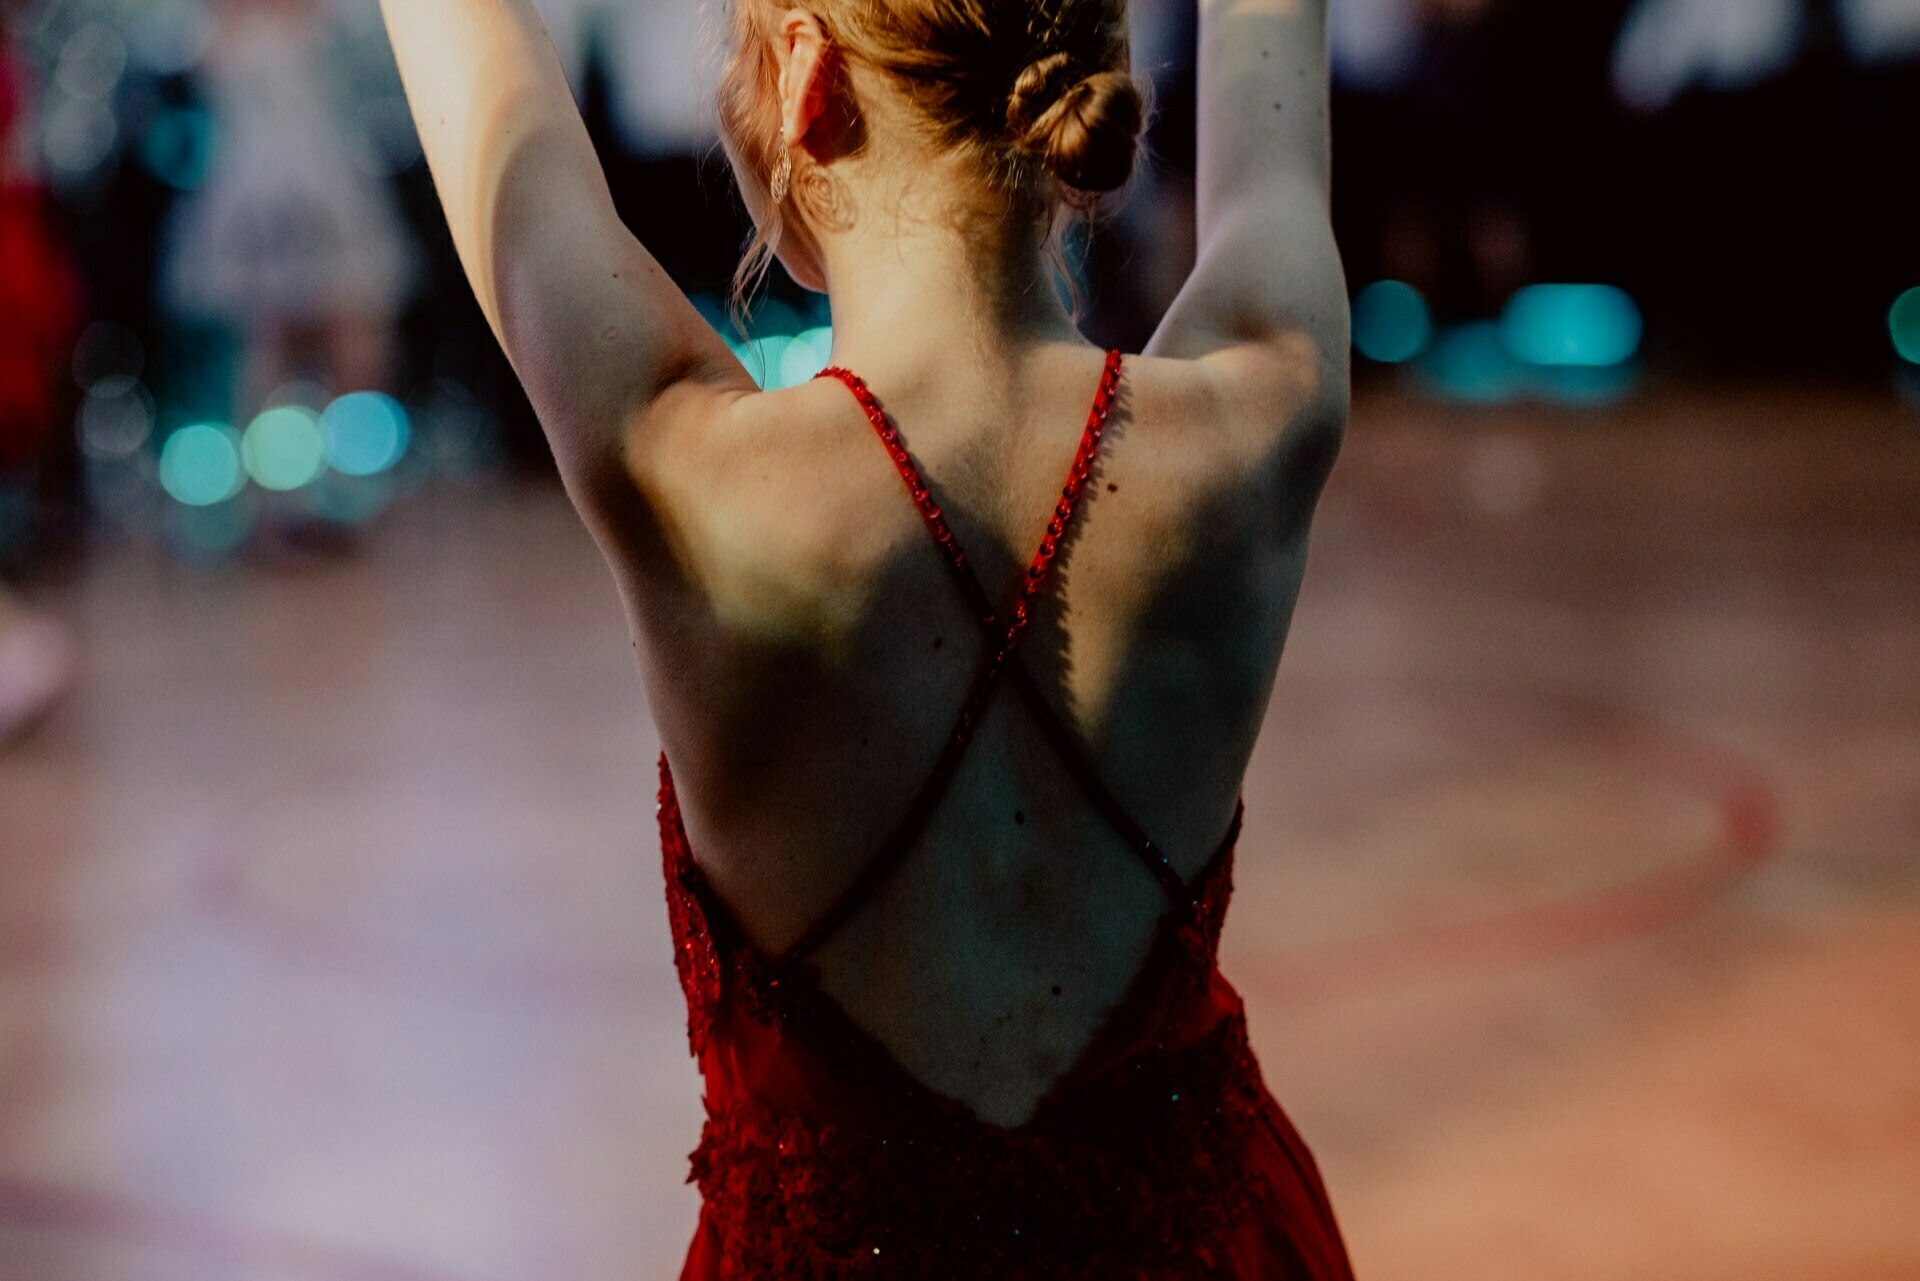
[(803, 75)]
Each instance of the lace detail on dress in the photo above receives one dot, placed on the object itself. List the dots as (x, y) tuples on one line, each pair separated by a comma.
[(695, 954), (1139, 1176), (1132, 1172)]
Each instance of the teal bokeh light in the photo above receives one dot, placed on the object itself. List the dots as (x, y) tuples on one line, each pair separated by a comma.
[(200, 464), (282, 448), (1470, 363), (1585, 326), (1903, 326), (177, 147), (805, 356), (365, 433), (1391, 322), (764, 357)]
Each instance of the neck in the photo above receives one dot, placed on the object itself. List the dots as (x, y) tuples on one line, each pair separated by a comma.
[(941, 284)]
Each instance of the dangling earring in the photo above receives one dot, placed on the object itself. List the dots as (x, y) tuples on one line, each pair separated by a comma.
[(783, 176)]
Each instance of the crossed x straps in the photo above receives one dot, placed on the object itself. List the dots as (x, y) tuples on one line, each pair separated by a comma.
[(1001, 659)]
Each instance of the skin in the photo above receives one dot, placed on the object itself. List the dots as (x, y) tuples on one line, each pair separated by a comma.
[(803, 647)]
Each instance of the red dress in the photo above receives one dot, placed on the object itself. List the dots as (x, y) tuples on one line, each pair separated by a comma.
[(38, 298), (1160, 1155)]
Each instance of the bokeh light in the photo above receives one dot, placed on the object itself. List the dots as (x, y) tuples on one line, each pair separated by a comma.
[(200, 464), (763, 358), (81, 133), (712, 309), (1391, 322), (1471, 363), (283, 448), (170, 37), (91, 62), (776, 316), (364, 433), (806, 356), (177, 147), (1591, 326), (1903, 325), (790, 345), (116, 418)]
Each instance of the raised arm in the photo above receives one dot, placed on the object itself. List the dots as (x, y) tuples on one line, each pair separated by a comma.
[(1267, 277), (594, 328)]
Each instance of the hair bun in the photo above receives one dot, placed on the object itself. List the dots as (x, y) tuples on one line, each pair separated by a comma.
[(1084, 127)]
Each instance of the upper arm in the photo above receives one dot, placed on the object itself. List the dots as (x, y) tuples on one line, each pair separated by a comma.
[(592, 325), (1268, 271)]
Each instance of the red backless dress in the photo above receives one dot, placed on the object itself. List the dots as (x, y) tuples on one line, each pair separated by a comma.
[(1160, 1155)]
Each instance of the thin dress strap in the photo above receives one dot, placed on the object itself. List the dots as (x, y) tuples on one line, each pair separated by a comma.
[(1000, 659)]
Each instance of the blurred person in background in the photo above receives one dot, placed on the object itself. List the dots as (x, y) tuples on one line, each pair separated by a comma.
[(985, 1037), (1771, 123), (658, 108), (294, 241), (1669, 46), (38, 312)]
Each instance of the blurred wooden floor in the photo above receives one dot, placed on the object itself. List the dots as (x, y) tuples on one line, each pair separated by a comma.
[(1579, 918)]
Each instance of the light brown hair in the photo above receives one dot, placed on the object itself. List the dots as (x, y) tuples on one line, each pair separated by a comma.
[(1037, 92)]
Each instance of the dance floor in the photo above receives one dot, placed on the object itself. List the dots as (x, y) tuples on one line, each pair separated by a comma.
[(1578, 919)]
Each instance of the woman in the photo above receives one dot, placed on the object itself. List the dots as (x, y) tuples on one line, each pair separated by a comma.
[(957, 1013), (292, 241)]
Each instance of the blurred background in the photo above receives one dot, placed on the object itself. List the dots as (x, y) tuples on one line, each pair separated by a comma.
[(1577, 919)]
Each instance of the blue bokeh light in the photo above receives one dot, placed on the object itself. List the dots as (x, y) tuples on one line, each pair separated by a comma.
[(365, 433), (763, 358), (1391, 322), (1470, 363), (200, 464), (177, 147), (1903, 325), (806, 356), (1588, 326)]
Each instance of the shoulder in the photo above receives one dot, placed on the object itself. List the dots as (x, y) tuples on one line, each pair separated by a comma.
[(1273, 411), (756, 502)]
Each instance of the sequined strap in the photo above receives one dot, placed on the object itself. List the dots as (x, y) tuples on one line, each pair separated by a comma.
[(936, 521), (1066, 744), (1005, 638), (1001, 659)]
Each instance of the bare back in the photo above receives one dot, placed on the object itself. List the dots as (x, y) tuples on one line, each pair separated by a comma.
[(803, 644), (805, 649)]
